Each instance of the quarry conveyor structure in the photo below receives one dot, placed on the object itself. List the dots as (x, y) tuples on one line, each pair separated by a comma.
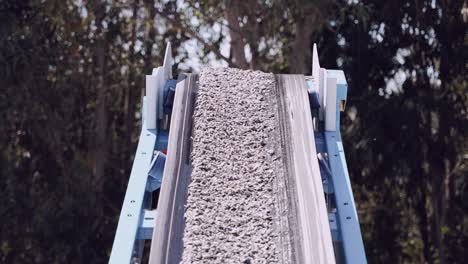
[(314, 219)]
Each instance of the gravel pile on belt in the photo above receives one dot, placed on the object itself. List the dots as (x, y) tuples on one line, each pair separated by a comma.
[(232, 205)]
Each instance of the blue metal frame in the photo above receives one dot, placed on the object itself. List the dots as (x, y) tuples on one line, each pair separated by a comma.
[(130, 215), (136, 219), (344, 222)]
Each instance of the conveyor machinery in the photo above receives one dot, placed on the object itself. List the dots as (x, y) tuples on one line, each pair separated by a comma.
[(326, 208)]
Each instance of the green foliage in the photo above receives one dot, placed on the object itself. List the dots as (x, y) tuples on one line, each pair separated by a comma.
[(71, 82), (55, 75)]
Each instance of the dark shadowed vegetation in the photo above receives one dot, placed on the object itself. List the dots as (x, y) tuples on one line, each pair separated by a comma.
[(72, 78)]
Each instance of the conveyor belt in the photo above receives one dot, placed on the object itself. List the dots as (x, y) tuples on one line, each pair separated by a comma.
[(310, 225), (308, 222), (166, 246)]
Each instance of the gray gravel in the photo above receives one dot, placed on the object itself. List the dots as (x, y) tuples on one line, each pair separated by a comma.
[(233, 212)]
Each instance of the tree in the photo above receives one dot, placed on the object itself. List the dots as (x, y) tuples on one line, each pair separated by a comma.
[(72, 80), (72, 76)]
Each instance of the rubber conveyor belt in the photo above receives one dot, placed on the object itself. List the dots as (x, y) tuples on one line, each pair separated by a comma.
[(308, 221)]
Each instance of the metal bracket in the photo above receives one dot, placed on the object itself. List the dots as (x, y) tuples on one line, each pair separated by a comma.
[(169, 93), (145, 230), (155, 173), (155, 84)]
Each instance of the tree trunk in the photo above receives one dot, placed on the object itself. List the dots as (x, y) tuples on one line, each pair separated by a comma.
[(150, 39), (237, 42), (423, 224), (301, 47), (100, 146), (130, 92), (253, 31), (438, 210)]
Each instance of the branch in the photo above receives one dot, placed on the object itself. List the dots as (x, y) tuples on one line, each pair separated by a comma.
[(190, 32)]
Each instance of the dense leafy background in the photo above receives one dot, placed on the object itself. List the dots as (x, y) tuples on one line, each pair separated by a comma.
[(72, 79)]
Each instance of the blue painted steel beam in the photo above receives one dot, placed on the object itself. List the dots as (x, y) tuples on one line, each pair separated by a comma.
[(334, 227), (348, 221), (130, 216), (349, 231), (145, 230), (146, 176)]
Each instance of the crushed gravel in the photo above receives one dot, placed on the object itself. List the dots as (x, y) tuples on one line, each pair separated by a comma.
[(232, 211)]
